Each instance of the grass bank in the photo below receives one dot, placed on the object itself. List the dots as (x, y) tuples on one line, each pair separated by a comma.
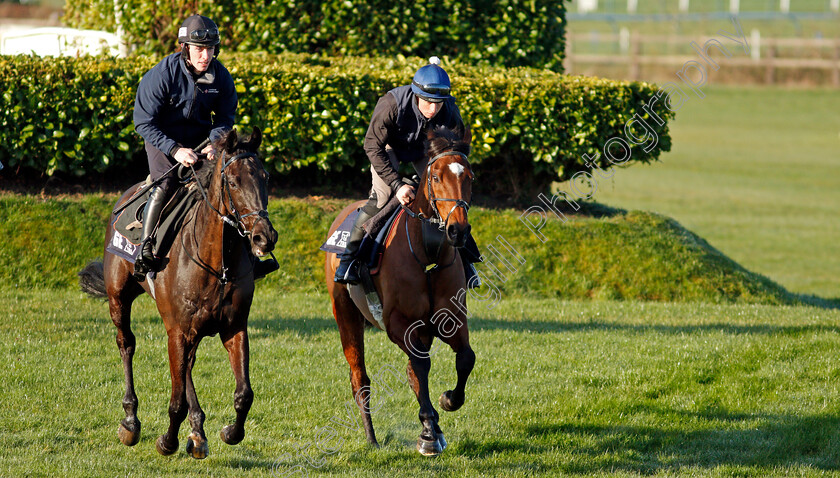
[(620, 255)]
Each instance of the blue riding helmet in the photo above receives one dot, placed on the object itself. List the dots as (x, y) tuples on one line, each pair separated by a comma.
[(431, 82), (198, 30)]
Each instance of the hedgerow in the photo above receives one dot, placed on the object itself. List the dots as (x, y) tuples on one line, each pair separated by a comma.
[(530, 127), (498, 32)]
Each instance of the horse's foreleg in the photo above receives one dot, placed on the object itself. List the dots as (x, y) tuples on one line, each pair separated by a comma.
[(167, 443), (129, 430), (452, 400), (352, 331), (197, 442), (431, 441), (236, 343)]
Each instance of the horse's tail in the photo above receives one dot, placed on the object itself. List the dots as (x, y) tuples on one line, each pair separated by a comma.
[(92, 280)]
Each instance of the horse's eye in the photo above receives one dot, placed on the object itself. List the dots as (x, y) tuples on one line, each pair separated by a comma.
[(435, 178)]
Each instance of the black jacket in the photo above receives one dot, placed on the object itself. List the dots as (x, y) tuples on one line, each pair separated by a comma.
[(397, 122), (173, 108)]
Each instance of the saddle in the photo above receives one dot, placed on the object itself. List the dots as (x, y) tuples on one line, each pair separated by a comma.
[(128, 224), (379, 232)]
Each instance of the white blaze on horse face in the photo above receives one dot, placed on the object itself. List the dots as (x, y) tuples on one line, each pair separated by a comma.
[(457, 168)]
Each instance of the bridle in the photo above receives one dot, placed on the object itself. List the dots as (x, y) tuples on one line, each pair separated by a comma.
[(438, 220), (236, 221), (429, 224)]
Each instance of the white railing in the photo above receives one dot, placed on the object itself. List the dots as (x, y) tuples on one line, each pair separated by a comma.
[(54, 41)]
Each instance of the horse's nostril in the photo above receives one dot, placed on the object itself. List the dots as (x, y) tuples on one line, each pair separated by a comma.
[(452, 231)]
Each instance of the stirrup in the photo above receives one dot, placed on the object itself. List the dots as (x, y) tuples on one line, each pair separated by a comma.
[(140, 269), (347, 272)]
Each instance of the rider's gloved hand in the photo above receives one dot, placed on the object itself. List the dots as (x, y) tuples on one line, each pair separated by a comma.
[(405, 194)]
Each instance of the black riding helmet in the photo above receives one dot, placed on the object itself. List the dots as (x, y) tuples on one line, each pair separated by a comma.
[(199, 30)]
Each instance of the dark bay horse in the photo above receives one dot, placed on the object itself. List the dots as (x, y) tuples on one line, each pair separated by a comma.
[(205, 288), (423, 294)]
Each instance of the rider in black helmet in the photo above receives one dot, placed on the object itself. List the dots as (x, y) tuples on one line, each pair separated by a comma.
[(396, 135), (186, 98)]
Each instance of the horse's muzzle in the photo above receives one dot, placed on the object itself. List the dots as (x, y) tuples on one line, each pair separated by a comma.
[(263, 237), (456, 234)]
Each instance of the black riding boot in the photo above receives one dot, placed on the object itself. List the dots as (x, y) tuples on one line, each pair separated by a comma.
[(147, 261), (469, 255), (263, 267), (347, 271)]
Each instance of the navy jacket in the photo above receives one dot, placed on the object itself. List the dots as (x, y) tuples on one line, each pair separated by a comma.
[(174, 109), (397, 122)]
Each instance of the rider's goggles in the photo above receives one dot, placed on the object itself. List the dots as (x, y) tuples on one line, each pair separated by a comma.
[(210, 34)]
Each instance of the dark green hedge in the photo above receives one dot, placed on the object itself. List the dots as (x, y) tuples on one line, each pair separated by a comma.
[(529, 126), (491, 32)]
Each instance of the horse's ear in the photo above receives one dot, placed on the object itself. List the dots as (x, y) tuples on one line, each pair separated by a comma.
[(256, 139), (467, 137), (231, 140)]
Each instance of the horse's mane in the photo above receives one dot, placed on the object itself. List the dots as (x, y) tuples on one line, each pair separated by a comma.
[(444, 139), (204, 174)]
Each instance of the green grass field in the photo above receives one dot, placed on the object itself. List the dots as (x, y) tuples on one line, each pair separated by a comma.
[(583, 388), (754, 172)]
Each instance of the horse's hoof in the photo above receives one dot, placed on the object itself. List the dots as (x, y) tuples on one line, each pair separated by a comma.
[(442, 441), (429, 447), (129, 433), (448, 403), (229, 436), (163, 449), (197, 447)]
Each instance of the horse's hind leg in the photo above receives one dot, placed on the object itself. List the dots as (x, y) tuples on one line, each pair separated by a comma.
[(236, 343), (351, 328), (197, 441), (121, 293), (129, 430)]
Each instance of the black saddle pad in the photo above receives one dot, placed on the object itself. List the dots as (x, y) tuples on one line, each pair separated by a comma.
[(128, 224), (373, 245)]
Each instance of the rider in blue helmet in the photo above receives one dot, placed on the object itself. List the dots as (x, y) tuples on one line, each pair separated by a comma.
[(396, 134)]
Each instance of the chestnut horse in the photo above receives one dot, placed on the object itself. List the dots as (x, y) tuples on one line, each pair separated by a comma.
[(422, 296), (205, 288)]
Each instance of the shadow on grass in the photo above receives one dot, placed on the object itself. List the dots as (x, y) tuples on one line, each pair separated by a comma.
[(533, 326), (820, 302), (308, 326), (316, 325), (725, 440)]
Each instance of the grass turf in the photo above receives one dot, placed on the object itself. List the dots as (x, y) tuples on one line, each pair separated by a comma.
[(754, 172), (559, 387)]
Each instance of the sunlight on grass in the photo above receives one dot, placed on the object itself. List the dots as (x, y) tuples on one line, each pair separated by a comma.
[(559, 388)]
